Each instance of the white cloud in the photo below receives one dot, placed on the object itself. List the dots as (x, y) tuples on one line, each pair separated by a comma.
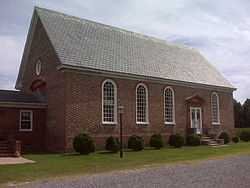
[(10, 52), (219, 29)]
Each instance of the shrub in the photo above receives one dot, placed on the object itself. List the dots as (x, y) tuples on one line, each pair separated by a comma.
[(193, 140), (176, 140), (172, 139), (112, 144), (225, 137), (83, 144), (235, 139), (135, 143), (179, 142), (156, 141), (245, 135)]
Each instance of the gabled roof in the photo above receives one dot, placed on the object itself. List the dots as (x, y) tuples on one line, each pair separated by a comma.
[(87, 44)]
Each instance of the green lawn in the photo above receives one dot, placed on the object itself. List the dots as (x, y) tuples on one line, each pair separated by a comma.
[(56, 165)]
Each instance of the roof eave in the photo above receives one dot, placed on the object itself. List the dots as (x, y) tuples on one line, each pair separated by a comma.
[(143, 77), (23, 105)]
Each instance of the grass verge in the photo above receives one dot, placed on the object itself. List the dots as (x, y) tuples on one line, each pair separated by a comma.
[(58, 165)]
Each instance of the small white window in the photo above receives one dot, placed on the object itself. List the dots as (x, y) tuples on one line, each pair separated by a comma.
[(141, 104), (109, 102), (169, 108), (215, 108), (26, 120), (38, 67)]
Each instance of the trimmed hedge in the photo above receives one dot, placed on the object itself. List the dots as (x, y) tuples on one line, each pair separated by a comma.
[(245, 135), (156, 141), (83, 144), (176, 140), (135, 143), (193, 140), (112, 144), (235, 139), (225, 137)]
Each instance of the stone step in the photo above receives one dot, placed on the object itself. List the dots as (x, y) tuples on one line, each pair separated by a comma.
[(5, 151), (4, 142), (6, 155), (206, 140), (4, 147), (205, 137)]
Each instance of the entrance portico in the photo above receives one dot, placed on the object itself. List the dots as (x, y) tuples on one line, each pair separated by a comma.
[(195, 114)]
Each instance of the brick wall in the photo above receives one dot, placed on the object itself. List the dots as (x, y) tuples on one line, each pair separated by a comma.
[(41, 49), (83, 108), (31, 141)]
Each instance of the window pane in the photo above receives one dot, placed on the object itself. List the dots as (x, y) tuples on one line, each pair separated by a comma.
[(25, 116), (25, 122), (141, 104), (25, 125), (108, 102), (215, 108), (169, 116)]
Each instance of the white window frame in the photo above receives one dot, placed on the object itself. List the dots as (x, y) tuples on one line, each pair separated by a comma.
[(173, 108), (147, 118), (115, 103), (31, 120), (218, 108)]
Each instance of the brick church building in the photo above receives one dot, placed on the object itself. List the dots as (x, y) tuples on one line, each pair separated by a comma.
[(75, 73)]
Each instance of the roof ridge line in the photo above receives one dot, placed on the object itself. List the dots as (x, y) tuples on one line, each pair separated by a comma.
[(137, 34)]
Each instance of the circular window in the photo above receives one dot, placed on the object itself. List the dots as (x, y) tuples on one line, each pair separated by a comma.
[(38, 67)]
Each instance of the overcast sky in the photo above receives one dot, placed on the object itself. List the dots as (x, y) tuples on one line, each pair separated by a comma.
[(219, 29)]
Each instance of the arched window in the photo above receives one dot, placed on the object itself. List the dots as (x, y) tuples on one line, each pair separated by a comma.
[(215, 108), (169, 110), (141, 104), (109, 102)]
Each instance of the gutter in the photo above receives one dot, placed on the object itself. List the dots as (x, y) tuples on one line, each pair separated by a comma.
[(130, 76)]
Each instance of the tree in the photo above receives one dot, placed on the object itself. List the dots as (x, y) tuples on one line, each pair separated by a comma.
[(246, 113), (238, 117)]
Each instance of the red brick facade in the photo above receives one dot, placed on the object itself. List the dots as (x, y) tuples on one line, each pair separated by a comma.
[(74, 104), (10, 128), (84, 108)]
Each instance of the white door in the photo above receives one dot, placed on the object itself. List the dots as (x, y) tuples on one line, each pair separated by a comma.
[(196, 119)]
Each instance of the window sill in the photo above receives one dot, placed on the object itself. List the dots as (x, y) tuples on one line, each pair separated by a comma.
[(142, 123), (111, 124), (216, 124), (169, 124), (25, 130)]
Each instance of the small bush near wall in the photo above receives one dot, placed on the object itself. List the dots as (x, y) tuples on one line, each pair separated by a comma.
[(112, 144), (172, 139), (193, 140), (176, 140), (83, 144), (235, 139), (156, 141), (245, 135), (135, 143), (225, 137)]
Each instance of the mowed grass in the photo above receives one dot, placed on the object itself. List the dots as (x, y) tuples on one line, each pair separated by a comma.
[(57, 165)]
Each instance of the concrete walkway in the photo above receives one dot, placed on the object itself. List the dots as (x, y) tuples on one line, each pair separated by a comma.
[(14, 160)]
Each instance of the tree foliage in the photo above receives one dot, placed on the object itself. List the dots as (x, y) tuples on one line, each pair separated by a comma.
[(242, 114)]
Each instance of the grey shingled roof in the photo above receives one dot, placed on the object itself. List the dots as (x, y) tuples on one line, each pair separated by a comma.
[(83, 43), (17, 96)]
